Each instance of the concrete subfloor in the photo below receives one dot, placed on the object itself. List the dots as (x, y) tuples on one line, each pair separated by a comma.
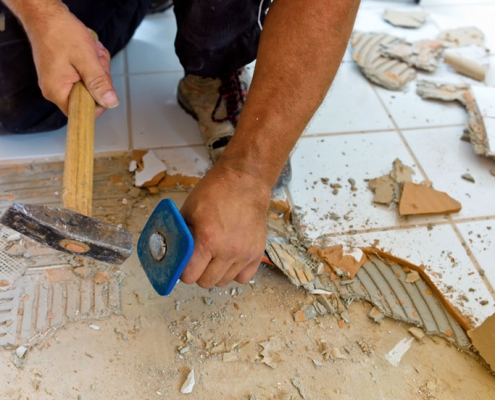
[(147, 349)]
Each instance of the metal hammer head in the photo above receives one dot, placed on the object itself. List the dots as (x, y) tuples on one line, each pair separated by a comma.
[(70, 232), (165, 247)]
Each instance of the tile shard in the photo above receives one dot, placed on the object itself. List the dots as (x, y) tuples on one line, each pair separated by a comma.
[(483, 338), (462, 36), (388, 188), (334, 257), (465, 66), (395, 355), (152, 172), (188, 385), (483, 142), (390, 73), (405, 19), (423, 54), (419, 199)]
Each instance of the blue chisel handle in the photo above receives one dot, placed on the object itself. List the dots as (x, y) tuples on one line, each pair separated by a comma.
[(165, 246)]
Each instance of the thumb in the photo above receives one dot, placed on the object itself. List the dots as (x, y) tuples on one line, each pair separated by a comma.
[(99, 84)]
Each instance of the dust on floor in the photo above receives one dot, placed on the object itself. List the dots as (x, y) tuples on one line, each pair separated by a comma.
[(147, 349)]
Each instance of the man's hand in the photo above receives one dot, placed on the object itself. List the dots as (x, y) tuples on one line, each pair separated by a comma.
[(64, 53), (226, 213)]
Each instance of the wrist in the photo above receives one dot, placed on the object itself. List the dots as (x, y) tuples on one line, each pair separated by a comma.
[(244, 182)]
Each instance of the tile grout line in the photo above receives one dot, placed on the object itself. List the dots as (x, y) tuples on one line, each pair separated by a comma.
[(385, 130), (411, 225), (475, 262), (130, 144)]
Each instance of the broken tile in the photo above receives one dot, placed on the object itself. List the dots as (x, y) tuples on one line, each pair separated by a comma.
[(468, 177), (395, 355), (441, 90), (483, 338), (418, 333), (383, 188), (376, 315), (390, 73), (423, 54), (412, 277), (401, 173), (299, 388), (465, 66), (305, 313), (462, 36), (405, 19), (483, 96), (462, 93), (188, 385), (335, 257), (152, 172), (417, 199)]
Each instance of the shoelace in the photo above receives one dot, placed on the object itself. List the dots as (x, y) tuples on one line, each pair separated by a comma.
[(232, 92)]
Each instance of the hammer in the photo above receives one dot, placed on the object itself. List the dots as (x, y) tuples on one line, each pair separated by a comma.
[(71, 229)]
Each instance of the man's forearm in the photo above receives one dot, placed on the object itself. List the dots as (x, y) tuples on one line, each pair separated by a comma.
[(33, 13), (301, 47)]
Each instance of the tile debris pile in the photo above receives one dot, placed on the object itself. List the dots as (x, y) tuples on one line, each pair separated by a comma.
[(392, 62), (335, 276)]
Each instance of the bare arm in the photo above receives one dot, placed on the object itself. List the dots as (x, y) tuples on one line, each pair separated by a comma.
[(301, 47), (64, 52)]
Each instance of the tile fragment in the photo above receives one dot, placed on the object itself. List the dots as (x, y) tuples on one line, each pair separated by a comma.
[(390, 73), (417, 199), (405, 19), (423, 54), (464, 36)]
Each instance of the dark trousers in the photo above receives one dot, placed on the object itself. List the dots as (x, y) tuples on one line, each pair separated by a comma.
[(214, 37)]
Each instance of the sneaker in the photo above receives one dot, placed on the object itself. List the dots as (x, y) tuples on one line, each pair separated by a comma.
[(216, 103)]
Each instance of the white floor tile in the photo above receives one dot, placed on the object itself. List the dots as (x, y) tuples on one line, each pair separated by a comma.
[(111, 134), (445, 259), (157, 119), (188, 161), (480, 16), (410, 111), (350, 99), (338, 158), (445, 158), (117, 64), (152, 47), (480, 238)]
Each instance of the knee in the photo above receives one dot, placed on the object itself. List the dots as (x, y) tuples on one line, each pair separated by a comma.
[(29, 116)]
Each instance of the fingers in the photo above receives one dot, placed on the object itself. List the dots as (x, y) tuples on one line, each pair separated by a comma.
[(241, 273), (99, 82), (247, 274), (197, 264)]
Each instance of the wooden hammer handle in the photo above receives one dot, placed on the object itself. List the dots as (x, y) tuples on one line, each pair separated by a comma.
[(77, 194)]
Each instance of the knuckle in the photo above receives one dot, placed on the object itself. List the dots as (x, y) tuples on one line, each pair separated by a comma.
[(188, 278), (100, 82)]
